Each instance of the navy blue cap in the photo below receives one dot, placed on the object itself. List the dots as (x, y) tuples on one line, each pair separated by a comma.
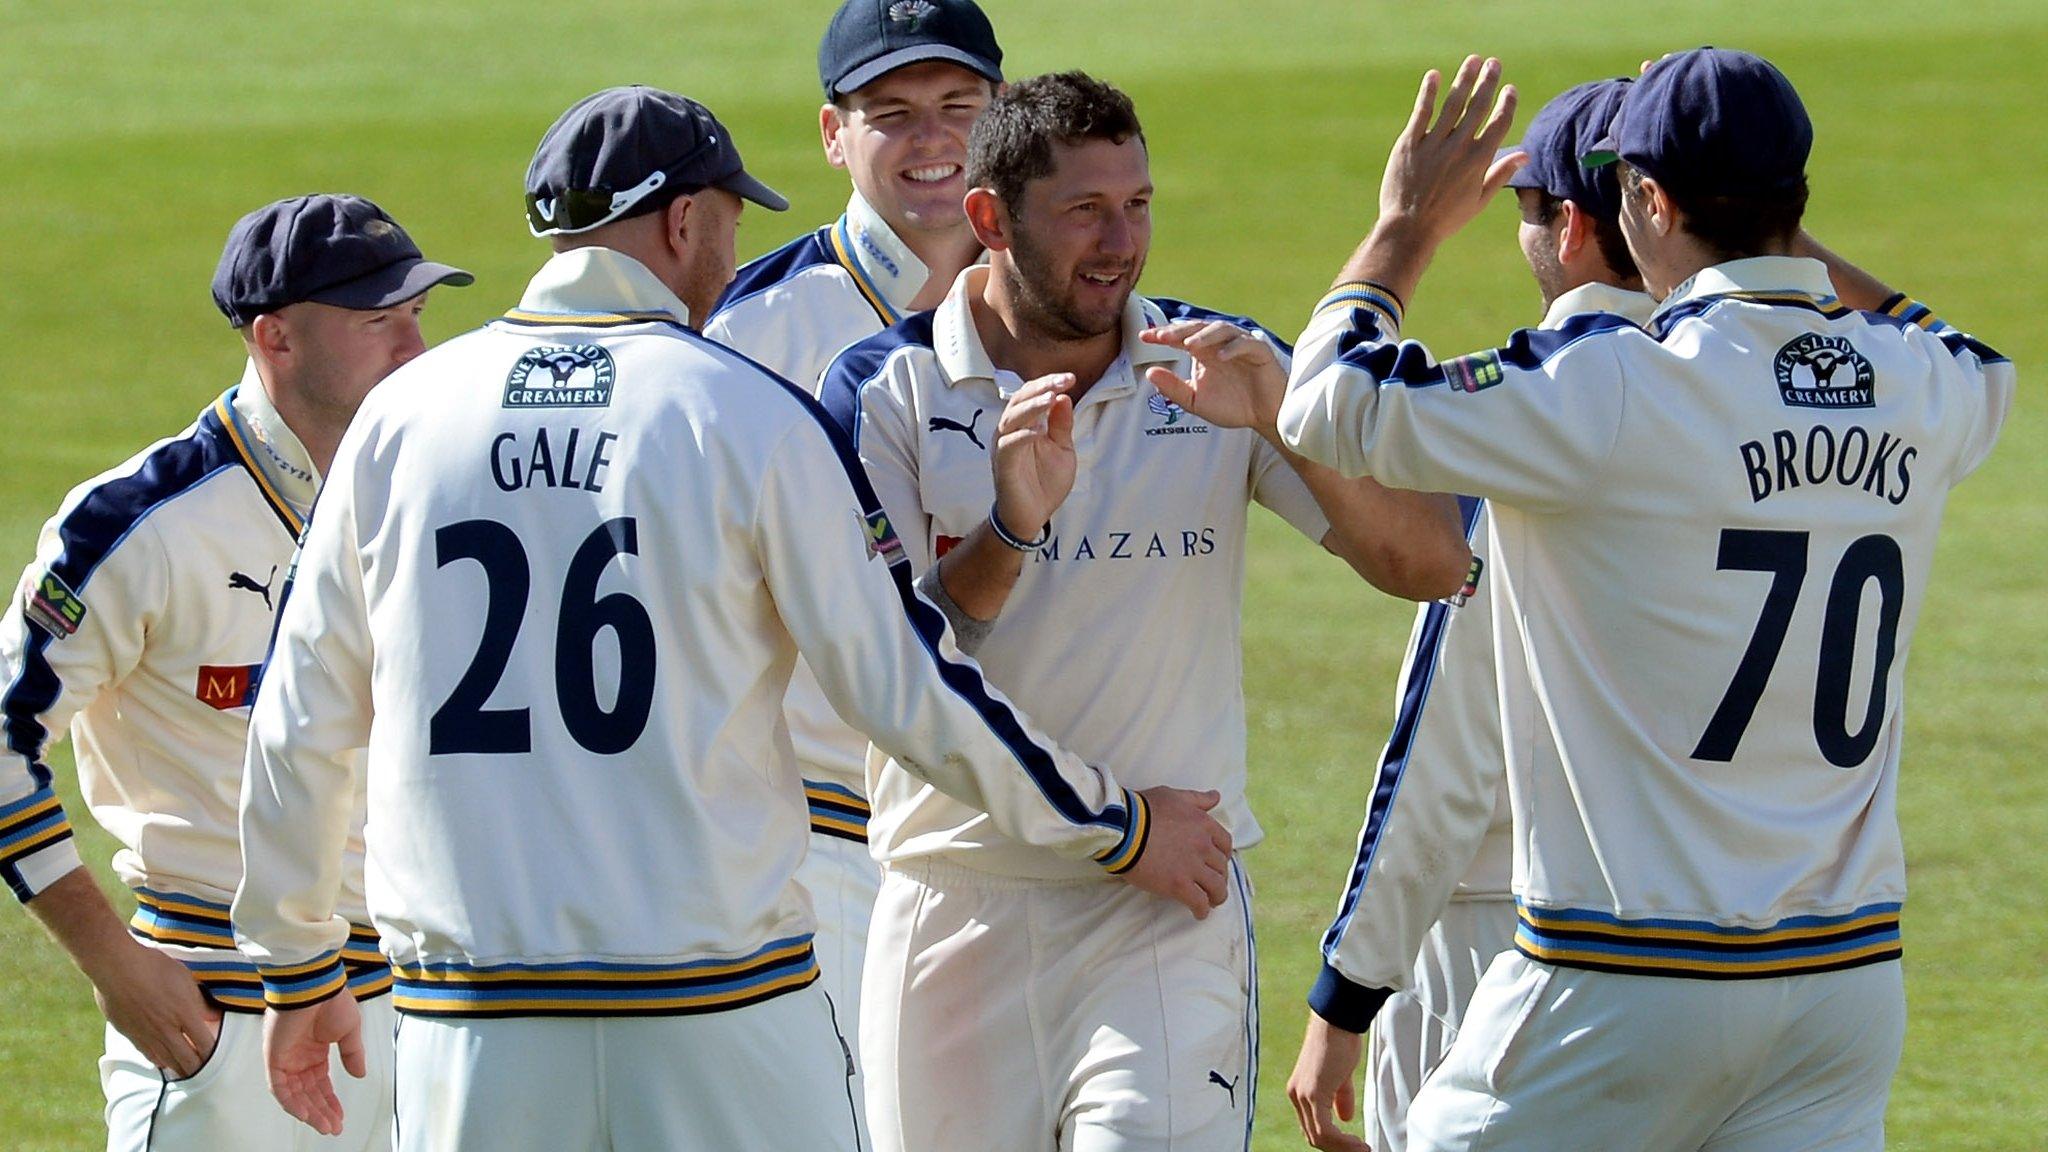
[(610, 152), (1712, 122), (339, 250), (1564, 130), (870, 37)]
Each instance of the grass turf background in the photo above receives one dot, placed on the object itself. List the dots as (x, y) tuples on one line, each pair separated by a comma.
[(134, 135)]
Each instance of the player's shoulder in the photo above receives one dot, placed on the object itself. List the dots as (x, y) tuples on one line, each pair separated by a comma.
[(809, 256), (907, 344), (100, 514), (1168, 309)]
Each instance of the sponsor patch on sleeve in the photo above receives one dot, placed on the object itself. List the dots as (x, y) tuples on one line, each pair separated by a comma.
[(1474, 373), (53, 606), (881, 537)]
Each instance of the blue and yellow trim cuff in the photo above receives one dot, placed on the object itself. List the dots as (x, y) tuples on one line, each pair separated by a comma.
[(1903, 307), (837, 811), (1344, 1004), (1120, 857), (303, 985), (1575, 938), (231, 981), (596, 988), (1379, 299), (28, 826)]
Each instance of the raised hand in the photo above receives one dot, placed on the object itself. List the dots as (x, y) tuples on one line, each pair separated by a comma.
[(295, 1046), (1237, 383), (1186, 857), (1442, 170), (1034, 458)]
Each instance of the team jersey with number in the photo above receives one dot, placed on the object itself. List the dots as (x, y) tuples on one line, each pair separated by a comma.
[(142, 625), (1123, 632), (793, 310), (1711, 541), (1443, 759), (555, 587)]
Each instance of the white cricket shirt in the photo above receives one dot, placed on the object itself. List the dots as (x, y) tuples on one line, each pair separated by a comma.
[(793, 310), (142, 625), (555, 587), (1123, 632), (1711, 541)]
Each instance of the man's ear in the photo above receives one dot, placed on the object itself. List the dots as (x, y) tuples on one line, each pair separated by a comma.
[(989, 217), (271, 335), (831, 118), (1658, 207), (675, 223), (1575, 234)]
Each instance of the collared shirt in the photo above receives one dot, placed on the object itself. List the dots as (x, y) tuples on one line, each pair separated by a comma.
[(1712, 536), (142, 626), (793, 310), (1122, 634), (560, 572), (1444, 756)]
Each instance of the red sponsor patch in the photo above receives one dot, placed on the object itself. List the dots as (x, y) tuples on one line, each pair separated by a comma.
[(226, 686), (946, 545)]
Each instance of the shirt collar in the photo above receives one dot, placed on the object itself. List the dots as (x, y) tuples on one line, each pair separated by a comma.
[(957, 341), (599, 281), (272, 446), (1597, 297), (874, 252), (1781, 275)]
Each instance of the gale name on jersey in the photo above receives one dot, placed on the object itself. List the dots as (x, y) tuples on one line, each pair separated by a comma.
[(1827, 372), (556, 376)]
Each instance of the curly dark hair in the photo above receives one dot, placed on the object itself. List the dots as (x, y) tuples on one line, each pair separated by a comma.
[(1012, 141)]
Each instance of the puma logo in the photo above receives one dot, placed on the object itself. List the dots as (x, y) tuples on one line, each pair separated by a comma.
[(240, 583), (1229, 1086), (941, 424)]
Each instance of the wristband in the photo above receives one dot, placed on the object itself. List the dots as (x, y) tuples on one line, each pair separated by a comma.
[(995, 523)]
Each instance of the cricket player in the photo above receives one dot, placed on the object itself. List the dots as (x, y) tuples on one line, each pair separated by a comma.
[(1091, 532), (903, 85), (1446, 734), (555, 588), (142, 624), (1711, 537)]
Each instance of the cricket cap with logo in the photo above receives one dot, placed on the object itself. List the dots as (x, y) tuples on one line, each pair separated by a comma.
[(627, 151), (868, 38), (1711, 122), (326, 249), (1561, 132)]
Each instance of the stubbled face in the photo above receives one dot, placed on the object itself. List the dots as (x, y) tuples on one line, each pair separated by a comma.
[(709, 258), (1539, 244), (339, 354), (1079, 236), (903, 139)]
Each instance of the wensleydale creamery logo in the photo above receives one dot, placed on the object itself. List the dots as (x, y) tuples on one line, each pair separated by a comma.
[(561, 376), (1817, 371)]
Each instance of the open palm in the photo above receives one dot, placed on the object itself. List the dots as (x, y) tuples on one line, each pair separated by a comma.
[(1237, 379)]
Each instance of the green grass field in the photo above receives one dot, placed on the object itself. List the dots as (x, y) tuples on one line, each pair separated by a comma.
[(132, 136)]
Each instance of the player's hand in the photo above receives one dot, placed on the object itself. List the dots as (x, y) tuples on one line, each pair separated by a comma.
[(1442, 170), (1186, 857), (295, 1044), (1034, 459), (1238, 381), (152, 1000), (1321, 1087)]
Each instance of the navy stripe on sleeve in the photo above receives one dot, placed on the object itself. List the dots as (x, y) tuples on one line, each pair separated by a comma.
[(766, 271), (840, 387)]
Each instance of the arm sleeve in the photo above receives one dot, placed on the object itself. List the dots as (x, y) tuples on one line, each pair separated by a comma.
[(1983, 372), (889, 664), (1530, 423), (76, 625), (880, 425), (299, 785), (1427, 812)]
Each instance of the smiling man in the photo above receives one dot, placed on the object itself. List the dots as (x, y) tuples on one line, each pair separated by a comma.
[(904, 81), (1093, 537)]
